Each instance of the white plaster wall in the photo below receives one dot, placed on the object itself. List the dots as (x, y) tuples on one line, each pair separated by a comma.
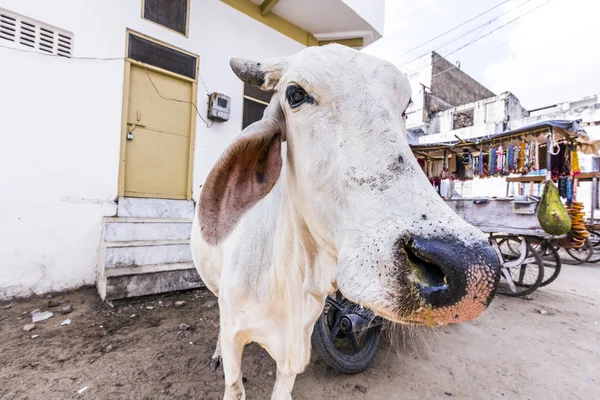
[(60, 126), (418, 73)]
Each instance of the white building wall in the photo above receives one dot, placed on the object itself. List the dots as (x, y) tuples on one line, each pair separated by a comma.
[(371, 11), (60, 128), (419, 74)]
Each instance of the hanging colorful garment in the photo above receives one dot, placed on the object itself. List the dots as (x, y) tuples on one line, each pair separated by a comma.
[(562, 187), (480, 163), (486, 165), (575, 163), (499, 160), (522, 158), (511, 158), (569, 190), (492, 166)]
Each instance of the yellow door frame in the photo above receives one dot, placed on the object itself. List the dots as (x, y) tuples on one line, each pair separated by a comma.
[(125, 107)]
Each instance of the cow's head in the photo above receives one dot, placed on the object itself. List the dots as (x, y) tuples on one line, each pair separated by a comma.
[(355, 185)]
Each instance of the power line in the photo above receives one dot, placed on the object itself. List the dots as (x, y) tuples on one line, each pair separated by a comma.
[(450, 30), (487, 23), (476, 55), (500, 27), (121, 58), (483, 36)]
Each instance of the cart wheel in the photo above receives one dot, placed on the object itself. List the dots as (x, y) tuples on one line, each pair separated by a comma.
[(595, 240), (525, 277), (345, 351), (550, 258), (583, 254)]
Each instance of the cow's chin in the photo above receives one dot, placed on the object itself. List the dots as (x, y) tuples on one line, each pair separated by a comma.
[(411, 309)]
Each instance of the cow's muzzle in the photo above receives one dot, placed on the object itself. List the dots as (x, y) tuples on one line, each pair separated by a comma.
[(446, 272)]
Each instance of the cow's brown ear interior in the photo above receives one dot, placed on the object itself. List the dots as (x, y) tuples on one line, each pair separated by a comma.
[(245, 173)]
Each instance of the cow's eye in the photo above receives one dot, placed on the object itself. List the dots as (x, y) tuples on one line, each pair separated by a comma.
[(296, 96)]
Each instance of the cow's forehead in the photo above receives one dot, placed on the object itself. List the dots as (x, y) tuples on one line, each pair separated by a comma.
[(340, 65)]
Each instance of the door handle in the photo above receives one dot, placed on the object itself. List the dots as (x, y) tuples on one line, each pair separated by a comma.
[(132, 128)]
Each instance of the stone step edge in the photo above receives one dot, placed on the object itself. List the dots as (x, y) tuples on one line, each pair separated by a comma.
[(146, 243), (147, 269), (146, 220)]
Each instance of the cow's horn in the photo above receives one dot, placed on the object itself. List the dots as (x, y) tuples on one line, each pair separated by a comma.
[(248, 71)]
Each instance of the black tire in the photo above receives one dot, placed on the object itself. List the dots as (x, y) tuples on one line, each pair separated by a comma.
[(583, 254), (550, 258), (333, 356), (595, 240), (534, 268)]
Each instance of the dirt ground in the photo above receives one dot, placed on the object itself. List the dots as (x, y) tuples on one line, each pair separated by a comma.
[(136, 350)]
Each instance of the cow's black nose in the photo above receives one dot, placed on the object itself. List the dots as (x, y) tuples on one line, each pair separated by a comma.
[(444, 270)]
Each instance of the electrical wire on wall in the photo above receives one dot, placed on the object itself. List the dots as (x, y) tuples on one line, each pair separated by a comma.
[(208, 125)]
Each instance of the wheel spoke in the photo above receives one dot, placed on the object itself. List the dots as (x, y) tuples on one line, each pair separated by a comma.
[(334, 304), (334, 331), (353, 341)]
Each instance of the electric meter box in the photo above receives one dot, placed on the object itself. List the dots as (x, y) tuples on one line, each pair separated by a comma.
[(218, 107)]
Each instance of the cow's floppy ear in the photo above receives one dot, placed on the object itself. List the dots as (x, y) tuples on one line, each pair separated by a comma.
[(245, 173)]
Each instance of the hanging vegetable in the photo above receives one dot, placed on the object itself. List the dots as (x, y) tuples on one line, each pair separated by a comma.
[(552, 215)]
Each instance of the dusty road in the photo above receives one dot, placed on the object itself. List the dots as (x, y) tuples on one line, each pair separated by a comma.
[(137, 350)]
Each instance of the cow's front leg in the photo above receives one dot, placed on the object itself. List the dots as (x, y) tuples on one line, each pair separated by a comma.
[(283, 386), (217, 359), (232, 348)]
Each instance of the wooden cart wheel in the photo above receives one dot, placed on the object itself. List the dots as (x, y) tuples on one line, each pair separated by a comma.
[(595, 240), (550, 258), (583, 254), (522, 267)]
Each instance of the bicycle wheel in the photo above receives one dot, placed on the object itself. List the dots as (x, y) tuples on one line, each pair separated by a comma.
[(519, 278), (583, 254)]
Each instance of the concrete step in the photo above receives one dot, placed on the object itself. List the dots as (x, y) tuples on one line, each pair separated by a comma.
[(120, 283), (149, 252), (145, 229), (155, 208)]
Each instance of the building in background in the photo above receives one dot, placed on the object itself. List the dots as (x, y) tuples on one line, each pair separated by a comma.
[(99, 164), (449, 104), (437, 85)]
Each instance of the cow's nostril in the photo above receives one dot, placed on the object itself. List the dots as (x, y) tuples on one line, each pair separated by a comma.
[(427, 275)]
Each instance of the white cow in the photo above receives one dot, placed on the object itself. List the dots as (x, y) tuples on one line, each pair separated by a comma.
[(323, 194)]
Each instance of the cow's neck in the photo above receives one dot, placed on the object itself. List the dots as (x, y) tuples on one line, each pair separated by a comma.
[(304, 264)]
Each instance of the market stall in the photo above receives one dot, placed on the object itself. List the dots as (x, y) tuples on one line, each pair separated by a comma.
[(528, 228)]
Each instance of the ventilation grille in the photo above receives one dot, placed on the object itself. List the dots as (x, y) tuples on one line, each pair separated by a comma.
[(34, 34)]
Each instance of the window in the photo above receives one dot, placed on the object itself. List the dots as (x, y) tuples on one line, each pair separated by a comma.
[(462, 119), (149, 52), (172, 14), (255, 103), (34, 34)]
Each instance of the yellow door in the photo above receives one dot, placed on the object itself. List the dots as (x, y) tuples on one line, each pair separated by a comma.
[(158, 135)]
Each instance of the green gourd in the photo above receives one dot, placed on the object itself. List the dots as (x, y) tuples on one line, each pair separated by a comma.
[(552, 215)]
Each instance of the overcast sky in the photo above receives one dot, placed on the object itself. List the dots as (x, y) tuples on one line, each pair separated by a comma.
[(549, 55)]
